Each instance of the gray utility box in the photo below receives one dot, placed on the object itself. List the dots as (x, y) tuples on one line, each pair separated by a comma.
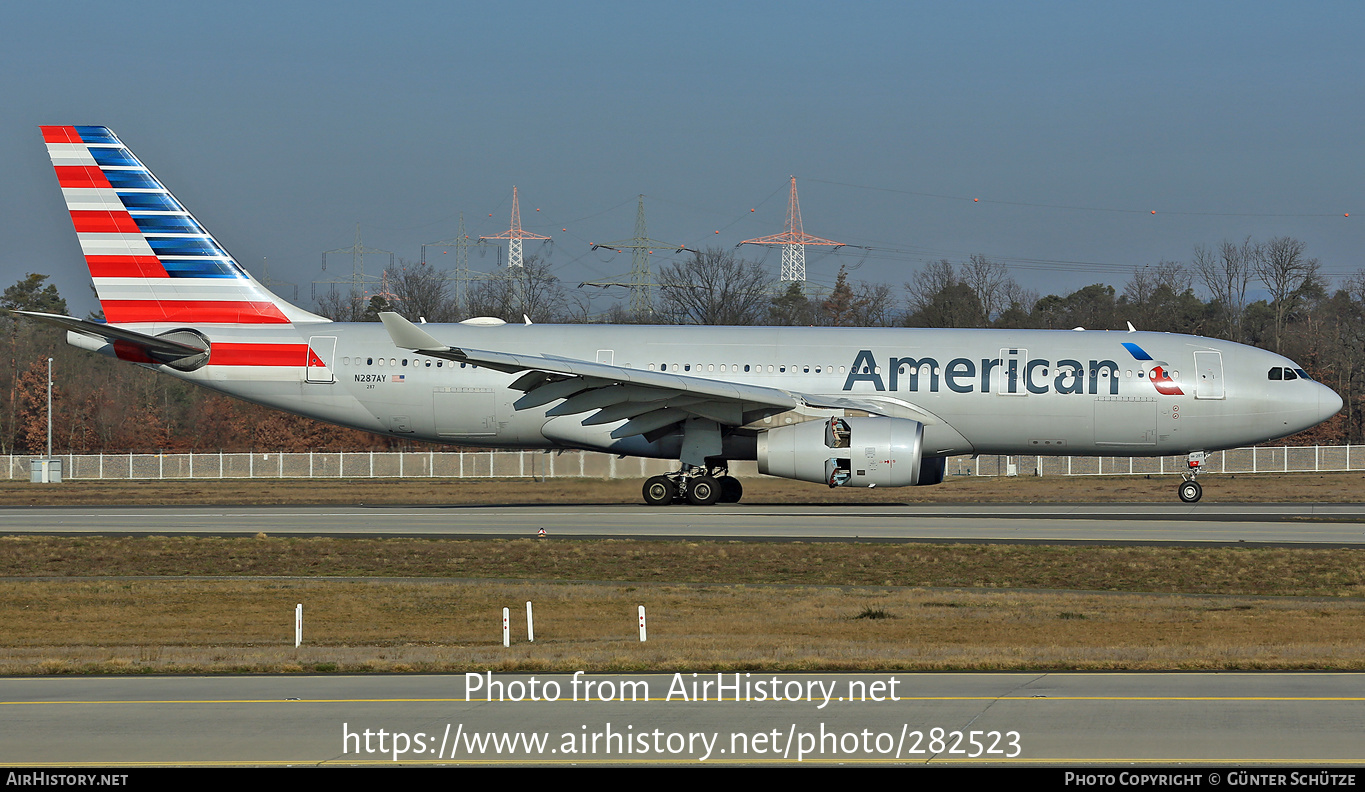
[(53, 468)]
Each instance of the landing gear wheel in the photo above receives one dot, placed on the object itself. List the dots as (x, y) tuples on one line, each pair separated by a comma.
[(703, 491), (730, 489), (659, 491), (1190, 491)]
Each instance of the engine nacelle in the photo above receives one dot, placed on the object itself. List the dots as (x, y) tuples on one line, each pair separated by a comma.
[(850, 452)]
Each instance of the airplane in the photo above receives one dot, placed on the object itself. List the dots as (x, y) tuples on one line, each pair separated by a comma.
[(843, 407)]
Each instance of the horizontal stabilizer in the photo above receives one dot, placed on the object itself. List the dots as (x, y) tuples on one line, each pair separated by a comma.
[(185, 350)]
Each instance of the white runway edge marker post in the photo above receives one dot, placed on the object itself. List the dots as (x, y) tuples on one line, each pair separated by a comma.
[(506, 628), (642, 624), (530, 624), (298, 625)]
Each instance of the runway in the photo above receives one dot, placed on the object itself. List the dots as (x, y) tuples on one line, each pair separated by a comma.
[(1279, 524), (1019, 718)]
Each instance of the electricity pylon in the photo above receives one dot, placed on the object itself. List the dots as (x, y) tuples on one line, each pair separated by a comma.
[(514, 235), (462, 277), (358, 280), (793, 242), (641, 280)]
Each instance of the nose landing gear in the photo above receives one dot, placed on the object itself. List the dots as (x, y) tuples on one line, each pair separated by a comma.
[(1189, 490)]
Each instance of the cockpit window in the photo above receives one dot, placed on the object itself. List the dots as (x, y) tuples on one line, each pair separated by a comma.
[(1276, 373), (1289, 374), (1302, 374)]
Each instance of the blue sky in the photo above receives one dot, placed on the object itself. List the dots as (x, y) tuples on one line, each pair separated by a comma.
[(281, 126)]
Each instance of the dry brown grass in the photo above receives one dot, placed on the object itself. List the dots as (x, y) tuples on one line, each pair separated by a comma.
[(1194, 570), (192, 626), (1259, 488)]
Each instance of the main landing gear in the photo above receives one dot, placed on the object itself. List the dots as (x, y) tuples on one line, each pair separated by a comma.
[(1190, 491), (695, 485)]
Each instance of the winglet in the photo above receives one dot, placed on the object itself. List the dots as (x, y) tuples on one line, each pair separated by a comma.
[(407, 335)]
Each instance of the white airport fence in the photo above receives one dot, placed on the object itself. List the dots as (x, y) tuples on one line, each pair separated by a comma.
[(1261, 459), (584, 464), (348, 464)]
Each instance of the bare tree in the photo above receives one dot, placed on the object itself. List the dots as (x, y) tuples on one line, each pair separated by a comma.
[(530, 290), (877, 305), (1172, 275), (421, 291), (1282, 267), (714, 288), (1226, 274), (342, 306), (928, 283), (989, 280)]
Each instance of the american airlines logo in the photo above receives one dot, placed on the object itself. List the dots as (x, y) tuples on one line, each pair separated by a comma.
[(1011, 373), (1161, 371)]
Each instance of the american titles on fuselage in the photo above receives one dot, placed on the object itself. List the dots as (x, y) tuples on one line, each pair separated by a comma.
[(1011, 373)]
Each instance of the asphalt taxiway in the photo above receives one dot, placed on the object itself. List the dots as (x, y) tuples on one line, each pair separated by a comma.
[(1278, 524)]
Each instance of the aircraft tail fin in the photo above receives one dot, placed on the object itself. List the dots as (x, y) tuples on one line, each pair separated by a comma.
[(151, 260)]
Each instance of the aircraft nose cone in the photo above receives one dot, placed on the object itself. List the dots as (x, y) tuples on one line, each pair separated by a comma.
[(1329, 403)]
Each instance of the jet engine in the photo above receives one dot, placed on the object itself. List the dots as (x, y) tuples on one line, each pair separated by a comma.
[(850, 452)]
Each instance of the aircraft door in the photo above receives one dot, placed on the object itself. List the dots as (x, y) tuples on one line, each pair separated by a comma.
[(1208, 368), (321, 351), (1007, 379)]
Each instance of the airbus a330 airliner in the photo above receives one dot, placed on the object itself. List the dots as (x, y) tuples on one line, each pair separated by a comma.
[(844, 407)]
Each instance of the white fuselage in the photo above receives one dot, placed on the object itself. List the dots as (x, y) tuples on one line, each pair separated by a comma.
[(976, 391)]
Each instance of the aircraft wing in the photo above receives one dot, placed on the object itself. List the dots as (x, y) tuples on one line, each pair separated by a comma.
[(648, 400)]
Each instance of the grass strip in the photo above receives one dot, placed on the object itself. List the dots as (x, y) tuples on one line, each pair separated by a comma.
[(1220, 570)]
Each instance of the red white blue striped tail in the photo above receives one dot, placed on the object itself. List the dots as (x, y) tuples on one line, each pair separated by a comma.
[(151, 261)]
